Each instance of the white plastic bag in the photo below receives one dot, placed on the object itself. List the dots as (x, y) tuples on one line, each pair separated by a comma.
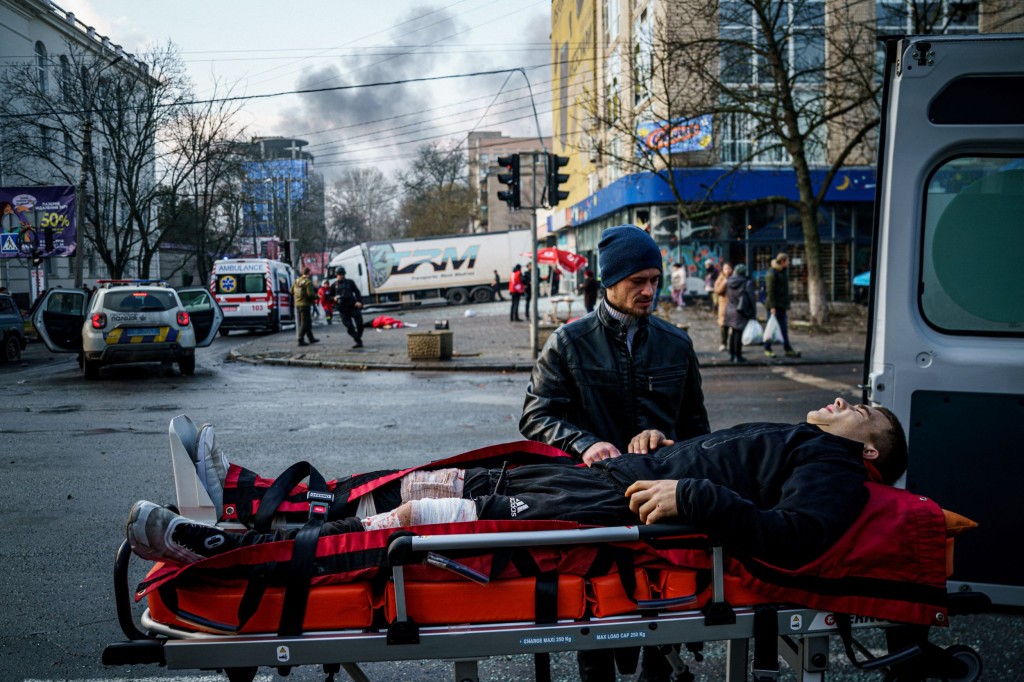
[(753, 334), (772, 331)]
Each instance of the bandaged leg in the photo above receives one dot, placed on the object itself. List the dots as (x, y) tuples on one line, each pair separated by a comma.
[(419, 485), (423, 512), (451, 510)]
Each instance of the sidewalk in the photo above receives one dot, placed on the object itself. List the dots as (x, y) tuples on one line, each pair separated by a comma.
[(485, 340)]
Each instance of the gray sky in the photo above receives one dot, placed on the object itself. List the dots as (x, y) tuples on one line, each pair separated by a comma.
[(262, 47)]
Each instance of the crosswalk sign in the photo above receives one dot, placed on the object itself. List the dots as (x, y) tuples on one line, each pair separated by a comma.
[(9, 242)]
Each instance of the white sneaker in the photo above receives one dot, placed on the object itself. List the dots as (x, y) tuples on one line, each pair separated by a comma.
[(211, 466), (156, 533)]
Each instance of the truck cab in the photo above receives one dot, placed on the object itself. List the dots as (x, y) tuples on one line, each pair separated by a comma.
[(946, 336)]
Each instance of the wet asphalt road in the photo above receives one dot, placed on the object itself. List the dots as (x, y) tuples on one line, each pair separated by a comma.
[(75, 455)]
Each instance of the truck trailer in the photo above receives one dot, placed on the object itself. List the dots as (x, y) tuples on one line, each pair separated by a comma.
[(459, 268)]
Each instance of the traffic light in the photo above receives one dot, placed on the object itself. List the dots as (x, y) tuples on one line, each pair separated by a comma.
[(37, 258), (511, 196), (554, 179)]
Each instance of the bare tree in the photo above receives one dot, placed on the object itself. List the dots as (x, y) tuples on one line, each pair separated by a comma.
[(438, 199), (95, 124), (362, 207), (792, 84), (785, 83), (203, 152)]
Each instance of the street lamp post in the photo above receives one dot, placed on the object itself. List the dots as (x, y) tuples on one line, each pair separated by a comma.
[(86, 159)]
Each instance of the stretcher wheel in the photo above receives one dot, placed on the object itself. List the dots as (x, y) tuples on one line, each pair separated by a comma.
[(968, 657), (241, 674)]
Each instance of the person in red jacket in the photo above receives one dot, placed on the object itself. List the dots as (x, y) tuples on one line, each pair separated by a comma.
[(324, 294), (515, 290)]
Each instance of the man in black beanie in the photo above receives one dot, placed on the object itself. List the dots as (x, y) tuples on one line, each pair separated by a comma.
[(615, 382)]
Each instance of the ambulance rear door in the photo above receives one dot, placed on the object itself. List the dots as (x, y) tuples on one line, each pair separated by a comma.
[(946, 337)]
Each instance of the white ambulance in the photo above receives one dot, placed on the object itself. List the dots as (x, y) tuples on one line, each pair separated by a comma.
[(254, 293)]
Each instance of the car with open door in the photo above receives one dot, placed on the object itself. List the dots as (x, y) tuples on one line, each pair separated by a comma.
[(946, 336), (128, 321)]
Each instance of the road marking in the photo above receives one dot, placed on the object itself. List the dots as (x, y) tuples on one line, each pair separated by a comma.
[(817, 382)]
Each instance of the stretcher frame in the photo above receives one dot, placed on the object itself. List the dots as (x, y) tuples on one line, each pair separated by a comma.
[(803, 640)]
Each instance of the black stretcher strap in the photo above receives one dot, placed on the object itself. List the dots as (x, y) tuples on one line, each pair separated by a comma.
[(279, 489), (303, 560)]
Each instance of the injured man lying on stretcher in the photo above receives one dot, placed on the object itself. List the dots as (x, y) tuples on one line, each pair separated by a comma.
[(782, 493)]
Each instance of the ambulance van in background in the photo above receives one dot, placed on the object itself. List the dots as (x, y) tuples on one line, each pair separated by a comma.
[(946, 336), (253, 293)]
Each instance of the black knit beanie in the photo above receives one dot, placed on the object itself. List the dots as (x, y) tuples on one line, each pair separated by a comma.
[(624, 250)]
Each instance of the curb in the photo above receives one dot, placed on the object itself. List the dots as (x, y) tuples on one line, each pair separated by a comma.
[(235, 356)]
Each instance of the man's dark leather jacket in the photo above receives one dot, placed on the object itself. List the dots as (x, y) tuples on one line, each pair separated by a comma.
[(587, 388)]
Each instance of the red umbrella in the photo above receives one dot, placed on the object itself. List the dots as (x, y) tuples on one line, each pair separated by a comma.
[(563, 260)]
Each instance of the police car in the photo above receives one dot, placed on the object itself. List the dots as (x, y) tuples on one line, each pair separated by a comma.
[(127, 321)]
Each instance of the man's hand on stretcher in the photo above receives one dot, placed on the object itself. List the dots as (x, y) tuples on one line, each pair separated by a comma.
[(653, 501), (643, 443)]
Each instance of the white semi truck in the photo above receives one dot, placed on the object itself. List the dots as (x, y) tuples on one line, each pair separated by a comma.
[(459, 267)]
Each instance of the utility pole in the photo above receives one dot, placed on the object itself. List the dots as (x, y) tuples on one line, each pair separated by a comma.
[(534, 279), (86, 160), (288, 207)]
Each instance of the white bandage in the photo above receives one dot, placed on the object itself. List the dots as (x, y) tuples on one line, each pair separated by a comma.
[(450, 510), (383, 520), (419, 485), (366, 506)]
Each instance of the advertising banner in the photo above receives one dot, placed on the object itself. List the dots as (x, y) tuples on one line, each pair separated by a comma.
[(37, 220), (682, 135)]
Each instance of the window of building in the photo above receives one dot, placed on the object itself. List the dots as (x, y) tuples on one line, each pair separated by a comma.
[(899, 17), (643, 57), (800, 29), (65, 78), (613, 83), (611, 21), (970, 275), (912, 17), (41, 66)]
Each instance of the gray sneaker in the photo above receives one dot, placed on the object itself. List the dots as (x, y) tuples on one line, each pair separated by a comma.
[(211, 466), (156, 533)]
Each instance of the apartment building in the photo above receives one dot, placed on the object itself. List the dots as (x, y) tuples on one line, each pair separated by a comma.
[(664, 107)]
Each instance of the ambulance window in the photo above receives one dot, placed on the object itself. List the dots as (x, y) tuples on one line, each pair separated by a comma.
[(971, 281)]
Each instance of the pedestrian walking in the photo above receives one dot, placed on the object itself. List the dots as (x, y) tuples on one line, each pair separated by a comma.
[(324, 294), (710, 277), (305, 299), (776, 290), (722, 299), (742, 308), (554, 279), (527, 289), (588, 287), (348, 303), (678, 284), (497, 286), (515, 292)]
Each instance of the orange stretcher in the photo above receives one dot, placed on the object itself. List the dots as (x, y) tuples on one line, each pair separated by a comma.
[(468, 591)]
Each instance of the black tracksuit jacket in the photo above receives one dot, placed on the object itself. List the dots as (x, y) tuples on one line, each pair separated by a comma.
[(783, 493)]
